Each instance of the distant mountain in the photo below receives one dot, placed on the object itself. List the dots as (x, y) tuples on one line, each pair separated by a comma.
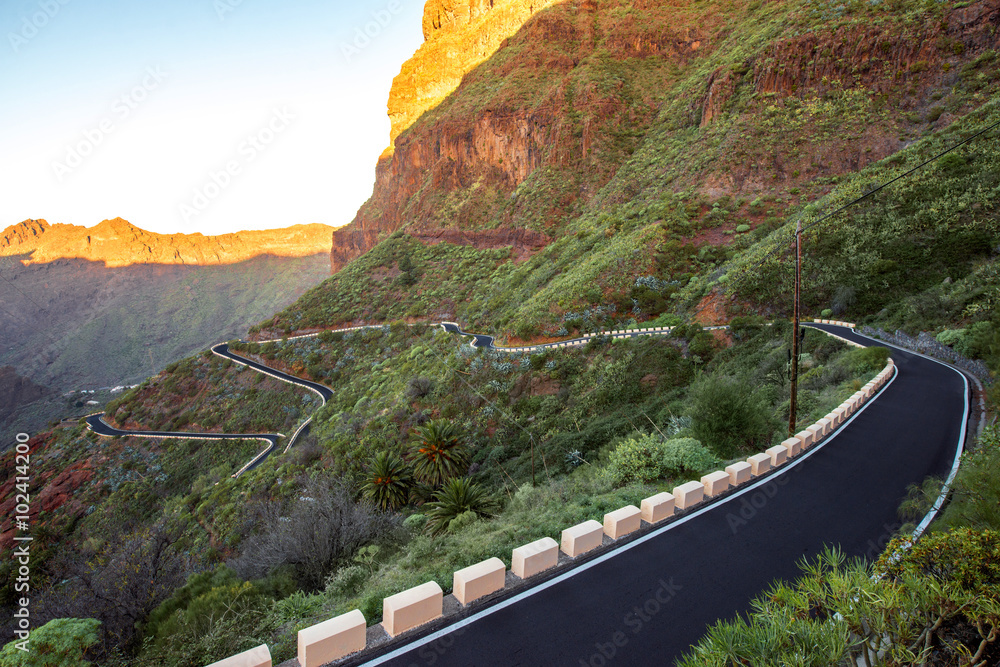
[(119, 243), (85, 308)]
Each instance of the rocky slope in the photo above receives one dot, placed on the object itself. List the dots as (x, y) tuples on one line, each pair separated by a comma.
[(16, 391), (118, 243), (592, 105)]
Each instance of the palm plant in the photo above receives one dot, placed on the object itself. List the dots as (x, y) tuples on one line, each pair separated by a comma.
[(457, 496), (437, 452), (388, 481)]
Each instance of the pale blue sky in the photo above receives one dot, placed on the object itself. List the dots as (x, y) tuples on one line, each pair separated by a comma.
[(196, 115)]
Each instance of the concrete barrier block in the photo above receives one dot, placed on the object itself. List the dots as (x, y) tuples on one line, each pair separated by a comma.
[(657, 508), (840, 415), (739, 473), (778, 455), (255, 657), (622, 521), (715, 483), (412, 608), (817, 433), (475, 581), (827, 425), (806, 438), (581, 538), (793, 445), (333, 639), (759, 464), (688, 495), (535, 557)]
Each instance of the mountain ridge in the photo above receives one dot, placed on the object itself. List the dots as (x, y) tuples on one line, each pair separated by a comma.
[(118, 243)]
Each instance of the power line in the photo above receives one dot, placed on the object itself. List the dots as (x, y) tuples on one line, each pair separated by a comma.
[(876, 190), (901, 176)]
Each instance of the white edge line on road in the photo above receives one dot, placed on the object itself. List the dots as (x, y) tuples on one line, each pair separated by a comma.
[(434, 636), (946, 488)]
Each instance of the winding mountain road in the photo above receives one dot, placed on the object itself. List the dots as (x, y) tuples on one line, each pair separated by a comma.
[(97, 424), (646, 602)]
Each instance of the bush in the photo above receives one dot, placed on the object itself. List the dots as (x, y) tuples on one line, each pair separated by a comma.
[(649, 457), (687, 456), (636, 460), (62, 642), (458, 498), (729, 418)]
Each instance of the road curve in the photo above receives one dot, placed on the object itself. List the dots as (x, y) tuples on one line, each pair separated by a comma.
[(647, 602), (97, 424)]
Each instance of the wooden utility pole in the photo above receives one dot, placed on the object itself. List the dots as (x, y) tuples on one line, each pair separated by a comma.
[(793, 403)]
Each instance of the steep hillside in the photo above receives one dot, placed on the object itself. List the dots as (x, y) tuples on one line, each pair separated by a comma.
[(648, 140)]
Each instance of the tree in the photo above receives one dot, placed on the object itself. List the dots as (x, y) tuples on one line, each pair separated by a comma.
[(318, 526), (388, 481), (729, 418), (458, 496), (438, 452)]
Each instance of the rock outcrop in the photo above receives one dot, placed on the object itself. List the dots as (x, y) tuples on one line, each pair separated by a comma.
[(456, 160), (118, 243), (458, 35)]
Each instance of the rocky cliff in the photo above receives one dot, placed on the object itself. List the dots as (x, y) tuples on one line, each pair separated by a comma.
[(118, 243), (724, 99)]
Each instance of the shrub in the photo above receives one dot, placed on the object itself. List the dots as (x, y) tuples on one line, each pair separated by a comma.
[(728, 417), (62, 642), (687, 456), (649, 457), (636, 460), (456, 499)]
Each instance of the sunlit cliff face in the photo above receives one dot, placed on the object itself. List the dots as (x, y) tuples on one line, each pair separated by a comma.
[(118, 243), (458, 34)]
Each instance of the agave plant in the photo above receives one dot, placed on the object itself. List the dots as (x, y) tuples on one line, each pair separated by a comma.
[(457, 496), (388, 481), (437, 452)]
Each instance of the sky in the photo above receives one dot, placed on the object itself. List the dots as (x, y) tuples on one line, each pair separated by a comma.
[(187, 116)]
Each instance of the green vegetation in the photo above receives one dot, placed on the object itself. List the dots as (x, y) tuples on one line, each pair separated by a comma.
[(431, 455), (935, 602), (62, 642)]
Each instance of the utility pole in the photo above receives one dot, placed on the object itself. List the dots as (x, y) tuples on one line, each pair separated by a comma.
[(793, 403)]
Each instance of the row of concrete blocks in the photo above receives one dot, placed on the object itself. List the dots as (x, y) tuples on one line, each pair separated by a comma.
[(590, 335), (346, 634), (837, 323)]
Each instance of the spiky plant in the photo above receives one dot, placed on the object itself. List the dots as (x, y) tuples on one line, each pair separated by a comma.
[(457, 496), (388, 481), (437, 452)]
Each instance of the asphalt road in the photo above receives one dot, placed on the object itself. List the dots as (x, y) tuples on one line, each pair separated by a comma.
[(647, 602), (222, 349), (97, 424)]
